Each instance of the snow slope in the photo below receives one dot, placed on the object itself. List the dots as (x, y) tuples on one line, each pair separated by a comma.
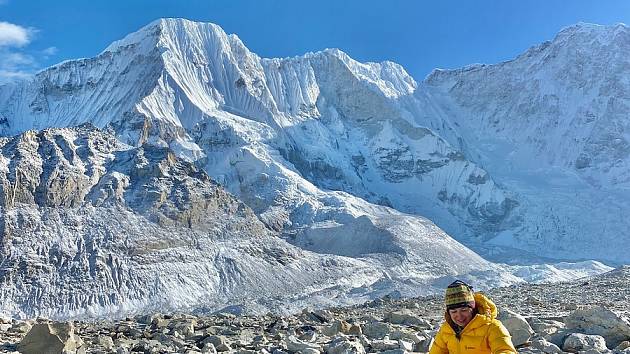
[(552, 126)]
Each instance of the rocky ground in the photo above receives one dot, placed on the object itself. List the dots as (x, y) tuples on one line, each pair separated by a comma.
[(585, 316)]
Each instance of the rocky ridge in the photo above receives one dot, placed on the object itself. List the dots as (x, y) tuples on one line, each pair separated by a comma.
[(585, 316)]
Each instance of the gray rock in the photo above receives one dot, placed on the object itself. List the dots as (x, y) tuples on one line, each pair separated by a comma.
[(5, 327), (414, 337), (558, 337), (105, 341), (209, 348), (408, 346), (577, 342), (325, 314), (338, 326), (185, 327), (544, 327), (296, 345), (544, 346), (407, 317), (376, 330), (517, 325), (53, 337), (601, 321), (623, 345), (424, 346), (20, 327), (345, 345), (215, 340), (385, 344)]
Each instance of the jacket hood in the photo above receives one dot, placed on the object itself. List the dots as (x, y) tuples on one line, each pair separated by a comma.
[(485, 308)]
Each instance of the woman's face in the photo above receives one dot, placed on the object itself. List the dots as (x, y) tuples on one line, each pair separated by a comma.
[(461, 315)]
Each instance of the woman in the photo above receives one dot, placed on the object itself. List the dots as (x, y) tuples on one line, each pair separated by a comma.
[(471, 325)]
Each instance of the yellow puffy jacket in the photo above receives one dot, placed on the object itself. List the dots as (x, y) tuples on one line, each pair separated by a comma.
[(483, 334)]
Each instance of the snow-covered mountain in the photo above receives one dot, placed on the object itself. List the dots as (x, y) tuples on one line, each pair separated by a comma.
[(94, 227), (270, 131), (346, 164), (552, 126)]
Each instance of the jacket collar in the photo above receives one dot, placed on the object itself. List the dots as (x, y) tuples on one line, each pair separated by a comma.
[(477, 321)]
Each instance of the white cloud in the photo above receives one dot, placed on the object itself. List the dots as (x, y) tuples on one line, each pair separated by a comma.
[(16, 60), (50, 51), (9, 76), (14, 35), (15, 65)]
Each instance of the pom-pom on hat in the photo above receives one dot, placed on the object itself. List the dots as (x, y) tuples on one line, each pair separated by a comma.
[(459, 294)]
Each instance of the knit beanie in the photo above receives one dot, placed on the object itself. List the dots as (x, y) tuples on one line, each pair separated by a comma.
[(459, 294)]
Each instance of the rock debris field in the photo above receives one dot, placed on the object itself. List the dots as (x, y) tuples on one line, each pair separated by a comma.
[(589, 315)]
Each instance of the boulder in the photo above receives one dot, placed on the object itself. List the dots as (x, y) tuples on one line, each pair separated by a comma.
[(558, 337), (601, 321), (20, 327), (414, 337), (106, 342), (219, 342), (403, 344), (186, 327), (544, 346), (545, 327), (517, 325), (385, 344), (209, 348), (323, 315), (345, 347), (355, 330), (578, 342), (339, 326), (343, 344), (424, 346), (296, 345), (406, 317), (51, 337), (376, 330), (623, 345)]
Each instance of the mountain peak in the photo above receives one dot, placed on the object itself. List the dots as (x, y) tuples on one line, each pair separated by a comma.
[(165, 31), (589, 32)]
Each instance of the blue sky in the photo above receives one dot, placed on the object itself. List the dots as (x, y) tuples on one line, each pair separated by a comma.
[(418, 34)]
